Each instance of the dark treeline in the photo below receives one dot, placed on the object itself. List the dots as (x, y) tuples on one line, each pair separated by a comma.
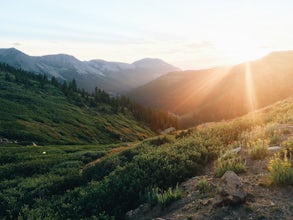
[(154, 118)]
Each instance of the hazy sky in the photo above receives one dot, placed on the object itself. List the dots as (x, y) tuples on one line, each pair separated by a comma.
[(185, 33)]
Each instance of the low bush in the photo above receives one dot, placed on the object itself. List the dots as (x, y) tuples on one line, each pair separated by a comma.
[(234, 164), (258, 149), (203, 185), (281, 170), (161, 140), (155, 196)]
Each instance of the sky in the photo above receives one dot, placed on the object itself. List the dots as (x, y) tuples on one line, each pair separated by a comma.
[(190, 34)]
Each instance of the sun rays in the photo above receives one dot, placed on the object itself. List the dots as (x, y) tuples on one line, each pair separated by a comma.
[(250, 90), (201, 89), (240, 92)]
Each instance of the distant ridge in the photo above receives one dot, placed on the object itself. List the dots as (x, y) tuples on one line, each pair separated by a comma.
[(223, 92), (114, 77)]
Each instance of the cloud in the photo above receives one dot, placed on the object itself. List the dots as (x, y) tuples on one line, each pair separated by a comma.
[(16, 44), (200, 46)]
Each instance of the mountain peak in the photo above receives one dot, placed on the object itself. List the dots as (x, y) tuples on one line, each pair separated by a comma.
[(152, 63), (60, 57), (10, 51)]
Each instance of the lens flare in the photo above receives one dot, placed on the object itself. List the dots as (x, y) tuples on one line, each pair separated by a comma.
[(250, 90)]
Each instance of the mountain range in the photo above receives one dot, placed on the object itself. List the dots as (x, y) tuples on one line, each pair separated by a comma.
[(113, 77), (195, 95), (222, 92)]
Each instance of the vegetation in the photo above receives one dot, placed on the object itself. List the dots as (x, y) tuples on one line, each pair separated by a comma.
[(105, 181), (234, 163), (281, 169), (35, 179), (203, 185), (156, 196), (45, 111), (60, 184), (259, 149)]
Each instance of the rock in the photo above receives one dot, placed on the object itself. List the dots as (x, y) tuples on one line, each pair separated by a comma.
[(205, 202), (168, 130), (230, 190), (234, 151), (138, 213), (274, 148)]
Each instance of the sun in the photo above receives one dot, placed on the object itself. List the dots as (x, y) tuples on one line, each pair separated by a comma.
[(240, 49)]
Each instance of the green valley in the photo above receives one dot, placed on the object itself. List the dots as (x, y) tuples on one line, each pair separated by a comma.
[(35, 109), (106, 181)]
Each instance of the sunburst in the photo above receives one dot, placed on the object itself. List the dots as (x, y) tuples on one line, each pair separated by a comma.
[(250, 90)]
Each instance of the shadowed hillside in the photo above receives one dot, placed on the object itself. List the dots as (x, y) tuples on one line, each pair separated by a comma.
[(223, 92)]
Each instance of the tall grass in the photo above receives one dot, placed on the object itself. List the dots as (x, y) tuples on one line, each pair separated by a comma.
[(155, 196), (233, 163), (258, 149), (281, 170), (203, 185)]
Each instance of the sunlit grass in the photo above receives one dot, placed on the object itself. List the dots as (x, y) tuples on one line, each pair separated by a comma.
[(229, 163), (258, 149), (281, 170)]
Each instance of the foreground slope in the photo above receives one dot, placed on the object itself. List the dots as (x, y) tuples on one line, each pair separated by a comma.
[(114, 77), (34, 109), (260, 155), (97, 182), (223, 92)]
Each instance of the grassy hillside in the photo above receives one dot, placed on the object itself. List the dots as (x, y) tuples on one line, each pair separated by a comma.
[(221, 93), (34, 109), (96, 182)]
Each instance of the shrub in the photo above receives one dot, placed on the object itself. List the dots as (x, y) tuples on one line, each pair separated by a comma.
[(288, 143), (203, 185), (248, 137), (275, 138), (161, 140), (234, 164), (156, 196), (150, 195), (281, 170), (259, 149)]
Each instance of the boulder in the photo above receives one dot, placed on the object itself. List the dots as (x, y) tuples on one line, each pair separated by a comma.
[(230, 190), (138, 213), (274, 148)]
